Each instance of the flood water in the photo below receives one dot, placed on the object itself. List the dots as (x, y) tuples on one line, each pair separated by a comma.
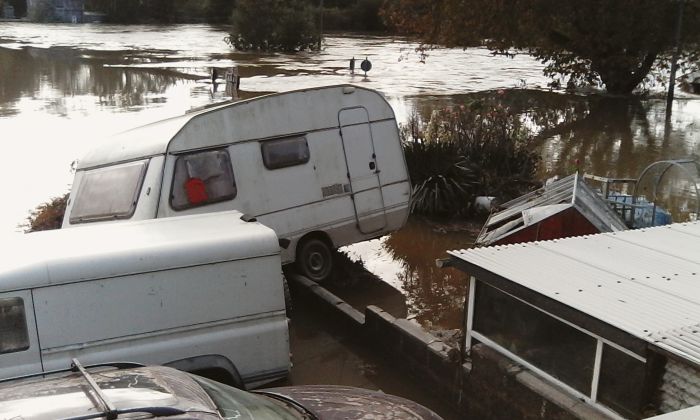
[(64, 88)]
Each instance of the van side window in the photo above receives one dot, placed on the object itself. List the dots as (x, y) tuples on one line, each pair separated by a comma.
[(281, 153), (109, 193), (202, 178), (13, 326)]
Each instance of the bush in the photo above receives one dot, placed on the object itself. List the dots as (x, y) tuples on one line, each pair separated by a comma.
[(47, 216), (274, 25), (363, 15), (464, 152), (42, 11)]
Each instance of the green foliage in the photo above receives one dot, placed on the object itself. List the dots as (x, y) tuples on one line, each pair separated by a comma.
[(358, 15), (47, 216), (162, 11), (274, 25), (614, 43), (465, 152), (41, 12)]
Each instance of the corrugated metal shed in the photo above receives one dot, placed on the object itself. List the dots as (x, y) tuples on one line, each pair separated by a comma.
[(645, 283), (530, 209)]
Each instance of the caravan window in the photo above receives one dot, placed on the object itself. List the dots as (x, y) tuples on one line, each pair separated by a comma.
[(202, 178), (281, 153), (13, 326), (109, 193)]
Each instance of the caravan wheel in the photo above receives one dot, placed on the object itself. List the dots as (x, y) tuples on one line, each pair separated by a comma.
[(314, 259)]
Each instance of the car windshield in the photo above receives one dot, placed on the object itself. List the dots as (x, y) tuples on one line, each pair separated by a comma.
[(233, 403)]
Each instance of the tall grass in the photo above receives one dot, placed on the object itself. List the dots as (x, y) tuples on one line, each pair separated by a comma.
[(466, 151)]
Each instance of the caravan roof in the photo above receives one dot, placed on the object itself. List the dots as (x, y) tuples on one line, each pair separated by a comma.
[(268, 116)]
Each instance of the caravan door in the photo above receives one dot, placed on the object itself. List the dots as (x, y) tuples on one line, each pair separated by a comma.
[(363, 169)]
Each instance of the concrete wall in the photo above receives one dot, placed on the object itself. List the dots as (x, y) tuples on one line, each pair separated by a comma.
[(488, 385)]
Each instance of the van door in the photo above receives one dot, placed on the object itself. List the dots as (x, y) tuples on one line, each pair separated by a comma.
[(363, 169), (19, 346)]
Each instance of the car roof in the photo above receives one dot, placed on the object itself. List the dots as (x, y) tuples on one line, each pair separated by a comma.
[(152, 391)]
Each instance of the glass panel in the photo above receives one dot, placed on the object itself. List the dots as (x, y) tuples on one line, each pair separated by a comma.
[(202, 178), (108, 193), (13, 326), (285, 152), (549, 344), (233, 403), (621, 382)]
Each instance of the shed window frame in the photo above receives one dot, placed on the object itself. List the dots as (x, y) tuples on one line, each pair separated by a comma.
[(268, 161), (6, 304), (601, 343), (189, 205)]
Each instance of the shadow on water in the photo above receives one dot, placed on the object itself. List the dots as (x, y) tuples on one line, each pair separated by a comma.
[(599, 134), (32, 72), (406, 260)]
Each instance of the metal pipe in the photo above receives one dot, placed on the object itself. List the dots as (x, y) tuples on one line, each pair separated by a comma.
[(674, 60)]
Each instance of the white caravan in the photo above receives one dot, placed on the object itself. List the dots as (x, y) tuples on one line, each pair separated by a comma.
[(323, 167), (200, 293)]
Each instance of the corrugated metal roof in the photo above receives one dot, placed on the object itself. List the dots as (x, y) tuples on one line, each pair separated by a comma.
[(571, 190), (645, 282)]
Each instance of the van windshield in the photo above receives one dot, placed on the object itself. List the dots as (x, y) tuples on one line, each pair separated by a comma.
[(108, 193)]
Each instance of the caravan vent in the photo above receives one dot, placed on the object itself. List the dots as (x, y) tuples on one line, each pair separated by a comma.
[(332, 190)]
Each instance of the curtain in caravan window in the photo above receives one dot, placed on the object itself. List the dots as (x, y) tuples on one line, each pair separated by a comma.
[(202, 178), (108, 193), (282, 153)]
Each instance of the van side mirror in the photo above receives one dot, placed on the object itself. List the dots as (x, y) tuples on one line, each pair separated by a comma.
[(284, 243)]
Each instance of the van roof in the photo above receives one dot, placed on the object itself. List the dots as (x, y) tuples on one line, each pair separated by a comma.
[(125, 248), (279, 114)]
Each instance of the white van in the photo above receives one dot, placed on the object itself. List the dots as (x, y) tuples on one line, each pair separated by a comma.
[(323, 167), (201, 293)]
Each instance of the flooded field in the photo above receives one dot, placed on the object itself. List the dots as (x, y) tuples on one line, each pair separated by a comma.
[(64, 88)]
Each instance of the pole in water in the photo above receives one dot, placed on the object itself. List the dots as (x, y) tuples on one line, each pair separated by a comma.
[(352, 65), (674, 62)]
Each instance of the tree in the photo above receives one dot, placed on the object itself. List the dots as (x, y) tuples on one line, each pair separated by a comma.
[(274, 25), (616, 43), (41, 11)]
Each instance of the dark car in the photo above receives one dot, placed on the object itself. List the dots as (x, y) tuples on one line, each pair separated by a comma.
[(126, 391)]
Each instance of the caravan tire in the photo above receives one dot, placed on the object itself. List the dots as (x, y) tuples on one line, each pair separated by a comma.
[(314, 259)]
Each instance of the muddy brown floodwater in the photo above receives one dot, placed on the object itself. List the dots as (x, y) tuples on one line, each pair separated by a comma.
[(64, 88)]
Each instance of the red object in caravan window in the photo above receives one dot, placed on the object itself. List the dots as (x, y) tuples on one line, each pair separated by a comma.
[(196, 191)]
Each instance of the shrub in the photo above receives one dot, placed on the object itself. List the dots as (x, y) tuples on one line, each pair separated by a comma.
[(363, 15), (467, 151), (273, 25), (47, 216), (41, 11)]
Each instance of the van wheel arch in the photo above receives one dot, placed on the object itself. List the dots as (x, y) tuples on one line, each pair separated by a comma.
[(211, 366), (314, 256)]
